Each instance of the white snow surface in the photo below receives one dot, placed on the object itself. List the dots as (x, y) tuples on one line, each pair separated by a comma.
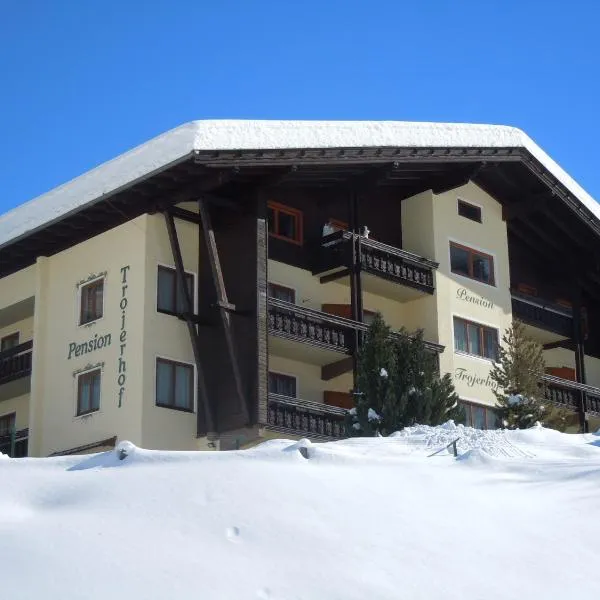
[(515, 516), (176, 144)]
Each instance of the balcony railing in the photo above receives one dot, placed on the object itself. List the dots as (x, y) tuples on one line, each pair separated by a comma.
[(15, 444), (543, 315), (16, 362), (379, 259), (321, 329), (302, 324), (305, 418), (568, 394)]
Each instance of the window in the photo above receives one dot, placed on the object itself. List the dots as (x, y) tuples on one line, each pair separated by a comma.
[(9, 341), (284, 385), (471, 263), (88, 392), (281, 292), (469, 211), (285, 223), (480, 417), (92, 300), (476, 339), (174, 385), (169, 298)]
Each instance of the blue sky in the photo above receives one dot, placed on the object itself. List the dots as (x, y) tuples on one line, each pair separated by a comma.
[(82, 82)]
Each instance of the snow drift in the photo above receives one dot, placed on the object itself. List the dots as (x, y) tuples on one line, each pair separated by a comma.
[(514, 516)]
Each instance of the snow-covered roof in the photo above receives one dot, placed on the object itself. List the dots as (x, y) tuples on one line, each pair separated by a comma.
[(177, 144)]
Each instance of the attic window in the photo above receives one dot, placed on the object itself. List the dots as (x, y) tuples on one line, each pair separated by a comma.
[(469, 211)]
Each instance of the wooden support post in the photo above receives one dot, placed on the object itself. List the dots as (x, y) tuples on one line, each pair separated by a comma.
[(355, 278), (223, 305), (579, 357), (208, 426)]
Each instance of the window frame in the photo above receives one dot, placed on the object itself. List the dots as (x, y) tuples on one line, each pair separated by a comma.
[(8, 336), (469, 206), (176, 363), (78, 385), (272, 284), (472, 252), (288, 375), (191, 274), (84, 286), (482, 328), (487, 411), (293, 212)]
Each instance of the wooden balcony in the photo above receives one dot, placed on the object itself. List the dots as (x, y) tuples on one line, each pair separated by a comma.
[(320, 330), (567, 394), (300, 324), (305, 418), (543, 315), (16, 362), (333, 261)]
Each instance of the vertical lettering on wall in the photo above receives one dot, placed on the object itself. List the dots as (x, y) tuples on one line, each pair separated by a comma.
[(122, 363)]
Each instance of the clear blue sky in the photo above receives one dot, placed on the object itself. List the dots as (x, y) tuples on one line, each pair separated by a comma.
[(83, 81)]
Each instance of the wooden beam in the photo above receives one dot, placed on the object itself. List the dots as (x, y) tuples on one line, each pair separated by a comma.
[(337, 368), (185, 215), (189, 310), (568, 344), (224, 305)]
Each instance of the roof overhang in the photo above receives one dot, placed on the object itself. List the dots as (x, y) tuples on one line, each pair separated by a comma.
[(200, 156)]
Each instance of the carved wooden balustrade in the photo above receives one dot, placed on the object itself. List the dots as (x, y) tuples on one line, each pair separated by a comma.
[(302, 324), (394, 264), (545, 316), (306, 418)]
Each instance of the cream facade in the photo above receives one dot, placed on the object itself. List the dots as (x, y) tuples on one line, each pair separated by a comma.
[(282, 280)]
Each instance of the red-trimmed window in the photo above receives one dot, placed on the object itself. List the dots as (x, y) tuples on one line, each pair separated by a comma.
[(285, 223), (476, 339), (471, 263)]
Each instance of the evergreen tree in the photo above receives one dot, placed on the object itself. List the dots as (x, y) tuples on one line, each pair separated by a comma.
[(399, 385), (520, 392)]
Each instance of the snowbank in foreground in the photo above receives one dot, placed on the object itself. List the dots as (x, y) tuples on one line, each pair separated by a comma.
[(514, 516)]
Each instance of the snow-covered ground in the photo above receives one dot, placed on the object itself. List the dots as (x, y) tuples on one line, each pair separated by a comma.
[(515, 516)]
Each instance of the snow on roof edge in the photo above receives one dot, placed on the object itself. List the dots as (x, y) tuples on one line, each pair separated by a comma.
[(175, 144)]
